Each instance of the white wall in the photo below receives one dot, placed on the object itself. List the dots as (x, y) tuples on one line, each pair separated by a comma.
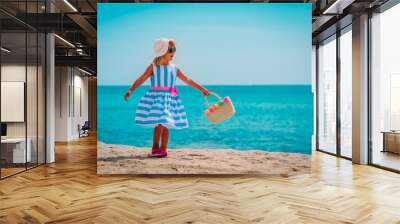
[(12, 73), (34, 125), (80, 109), (61, 103), (71, 87)]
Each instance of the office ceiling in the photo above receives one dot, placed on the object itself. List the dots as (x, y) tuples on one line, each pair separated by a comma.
[(332, 15), (75, 22)]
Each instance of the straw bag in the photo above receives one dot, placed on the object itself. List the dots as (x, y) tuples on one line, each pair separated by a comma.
[(220, 111)]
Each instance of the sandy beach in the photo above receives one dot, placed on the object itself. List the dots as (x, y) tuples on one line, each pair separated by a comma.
[(122, 159)]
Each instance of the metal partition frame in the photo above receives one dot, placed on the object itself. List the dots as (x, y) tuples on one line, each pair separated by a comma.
[(44, 75), (339, 31)]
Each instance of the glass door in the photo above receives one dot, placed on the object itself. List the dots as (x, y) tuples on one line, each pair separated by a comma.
[(14, 153), (22, 78)]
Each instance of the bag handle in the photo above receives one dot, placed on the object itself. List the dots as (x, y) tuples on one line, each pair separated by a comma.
[(214, 94)]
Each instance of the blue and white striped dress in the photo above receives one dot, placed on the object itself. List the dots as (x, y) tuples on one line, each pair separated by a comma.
[(161, 106)]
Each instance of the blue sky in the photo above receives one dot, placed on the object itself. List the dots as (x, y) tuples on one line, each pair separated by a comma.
[(217, 44)]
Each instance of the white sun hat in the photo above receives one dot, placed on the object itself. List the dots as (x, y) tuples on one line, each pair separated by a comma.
[(161, 46)]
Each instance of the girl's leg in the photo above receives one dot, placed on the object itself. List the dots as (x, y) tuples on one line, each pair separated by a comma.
[(157, 136), (164, 138)]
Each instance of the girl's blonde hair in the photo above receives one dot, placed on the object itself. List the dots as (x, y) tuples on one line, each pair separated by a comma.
[(158, 60)]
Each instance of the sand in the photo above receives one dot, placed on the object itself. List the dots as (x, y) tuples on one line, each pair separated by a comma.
[(122, 159)]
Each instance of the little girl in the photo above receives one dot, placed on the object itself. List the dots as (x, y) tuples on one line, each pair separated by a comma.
[(161, 107)]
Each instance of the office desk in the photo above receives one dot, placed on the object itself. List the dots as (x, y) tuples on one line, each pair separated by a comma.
[(391, 141), (15, 148)]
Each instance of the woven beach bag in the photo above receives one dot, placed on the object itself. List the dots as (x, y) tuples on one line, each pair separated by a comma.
[(220, 111)]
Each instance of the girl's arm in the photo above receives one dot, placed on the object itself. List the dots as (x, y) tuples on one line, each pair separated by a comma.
[(139, 81), (192, 83)]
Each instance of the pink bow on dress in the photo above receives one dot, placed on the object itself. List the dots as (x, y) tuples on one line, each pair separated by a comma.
[(174, 91)]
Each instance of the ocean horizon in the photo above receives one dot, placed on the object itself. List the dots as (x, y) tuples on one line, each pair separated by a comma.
[(270, 117)]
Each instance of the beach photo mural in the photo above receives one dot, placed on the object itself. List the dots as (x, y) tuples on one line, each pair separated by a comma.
[(204, 88)]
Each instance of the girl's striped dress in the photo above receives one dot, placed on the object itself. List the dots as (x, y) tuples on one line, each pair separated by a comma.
[(161, 104)]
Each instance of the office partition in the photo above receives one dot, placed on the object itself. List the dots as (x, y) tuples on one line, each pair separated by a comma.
[(22, 78)]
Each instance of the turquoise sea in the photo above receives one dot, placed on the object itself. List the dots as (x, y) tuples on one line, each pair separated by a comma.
[(268, 117)]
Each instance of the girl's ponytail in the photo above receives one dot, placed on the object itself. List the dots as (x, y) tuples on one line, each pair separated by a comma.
[(157, 60)]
